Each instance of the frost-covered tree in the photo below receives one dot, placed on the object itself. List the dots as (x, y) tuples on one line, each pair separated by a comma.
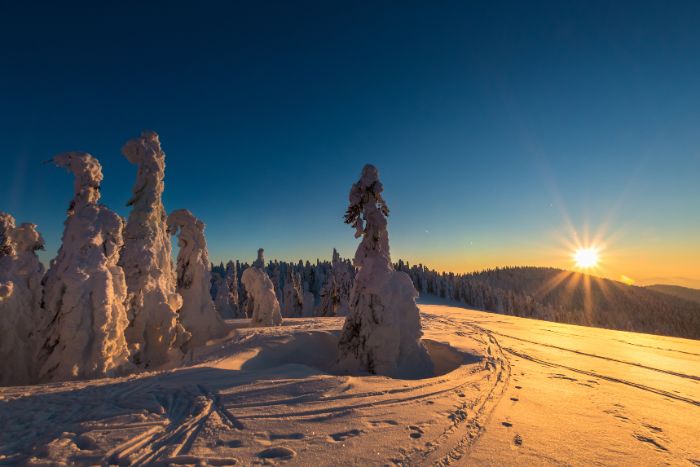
[(382, 333), (309, 299), (20, 300), (198, 314), (293, 299), (233, 289), (335, 294), (220, 292), (261, 298), (84, 288), (155, 334)]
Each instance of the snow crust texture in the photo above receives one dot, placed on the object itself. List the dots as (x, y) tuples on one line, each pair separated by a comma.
[(382, 332), (261, 298), (198, 313), (84, 288), (155, 334)]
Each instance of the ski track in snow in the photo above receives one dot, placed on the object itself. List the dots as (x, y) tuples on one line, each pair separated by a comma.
[(238, 407)]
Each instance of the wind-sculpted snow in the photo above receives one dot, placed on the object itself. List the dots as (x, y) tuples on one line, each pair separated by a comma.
[(198, 314), (382, 332), (20, 300), (261, 299), (84, 289), (154, 334)]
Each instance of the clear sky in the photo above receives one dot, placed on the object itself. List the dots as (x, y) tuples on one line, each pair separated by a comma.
[(502, 130)]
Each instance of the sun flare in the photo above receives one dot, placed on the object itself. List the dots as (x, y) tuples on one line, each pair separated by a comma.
[(586, 258)]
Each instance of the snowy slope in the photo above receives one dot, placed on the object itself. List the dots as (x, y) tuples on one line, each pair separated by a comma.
[(509, 391)]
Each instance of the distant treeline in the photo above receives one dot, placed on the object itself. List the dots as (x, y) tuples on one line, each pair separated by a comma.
[(565, 297)]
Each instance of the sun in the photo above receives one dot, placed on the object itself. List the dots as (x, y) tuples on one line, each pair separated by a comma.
[(586, 258)]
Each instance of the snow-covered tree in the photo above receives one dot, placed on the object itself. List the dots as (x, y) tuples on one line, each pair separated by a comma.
[(220, 292), (20, 300), (198, 314), (155, 334), (335, 294), (382, 333), (84, 288), (293, 299), (233, 289), (261, 298), (309, 299)]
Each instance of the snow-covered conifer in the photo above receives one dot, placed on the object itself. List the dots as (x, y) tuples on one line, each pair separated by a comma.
[(84, 288), (335, 294), (221, 294), (309, 301), (382, 333), (20, 300), (263, 304), (154, 333), (198, 314), (233, 289), (293, 300)]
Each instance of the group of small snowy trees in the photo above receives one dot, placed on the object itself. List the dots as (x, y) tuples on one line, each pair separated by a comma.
[(302, 289), (110, 300)]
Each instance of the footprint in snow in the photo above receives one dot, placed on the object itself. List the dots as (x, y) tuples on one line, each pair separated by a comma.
[(278, 452), (416, 431), (382, 423), (276, 436), (343, 435), (653, 428)]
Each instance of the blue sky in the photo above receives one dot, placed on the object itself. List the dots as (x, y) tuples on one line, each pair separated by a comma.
[(499, 128)]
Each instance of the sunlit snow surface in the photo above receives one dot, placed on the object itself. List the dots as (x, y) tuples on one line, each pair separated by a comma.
[(513, 391)]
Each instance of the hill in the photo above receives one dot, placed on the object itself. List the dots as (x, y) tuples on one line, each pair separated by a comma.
[(566, 297), (677, 291)]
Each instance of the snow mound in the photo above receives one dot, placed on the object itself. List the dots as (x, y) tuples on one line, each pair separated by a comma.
[(319, 350)]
